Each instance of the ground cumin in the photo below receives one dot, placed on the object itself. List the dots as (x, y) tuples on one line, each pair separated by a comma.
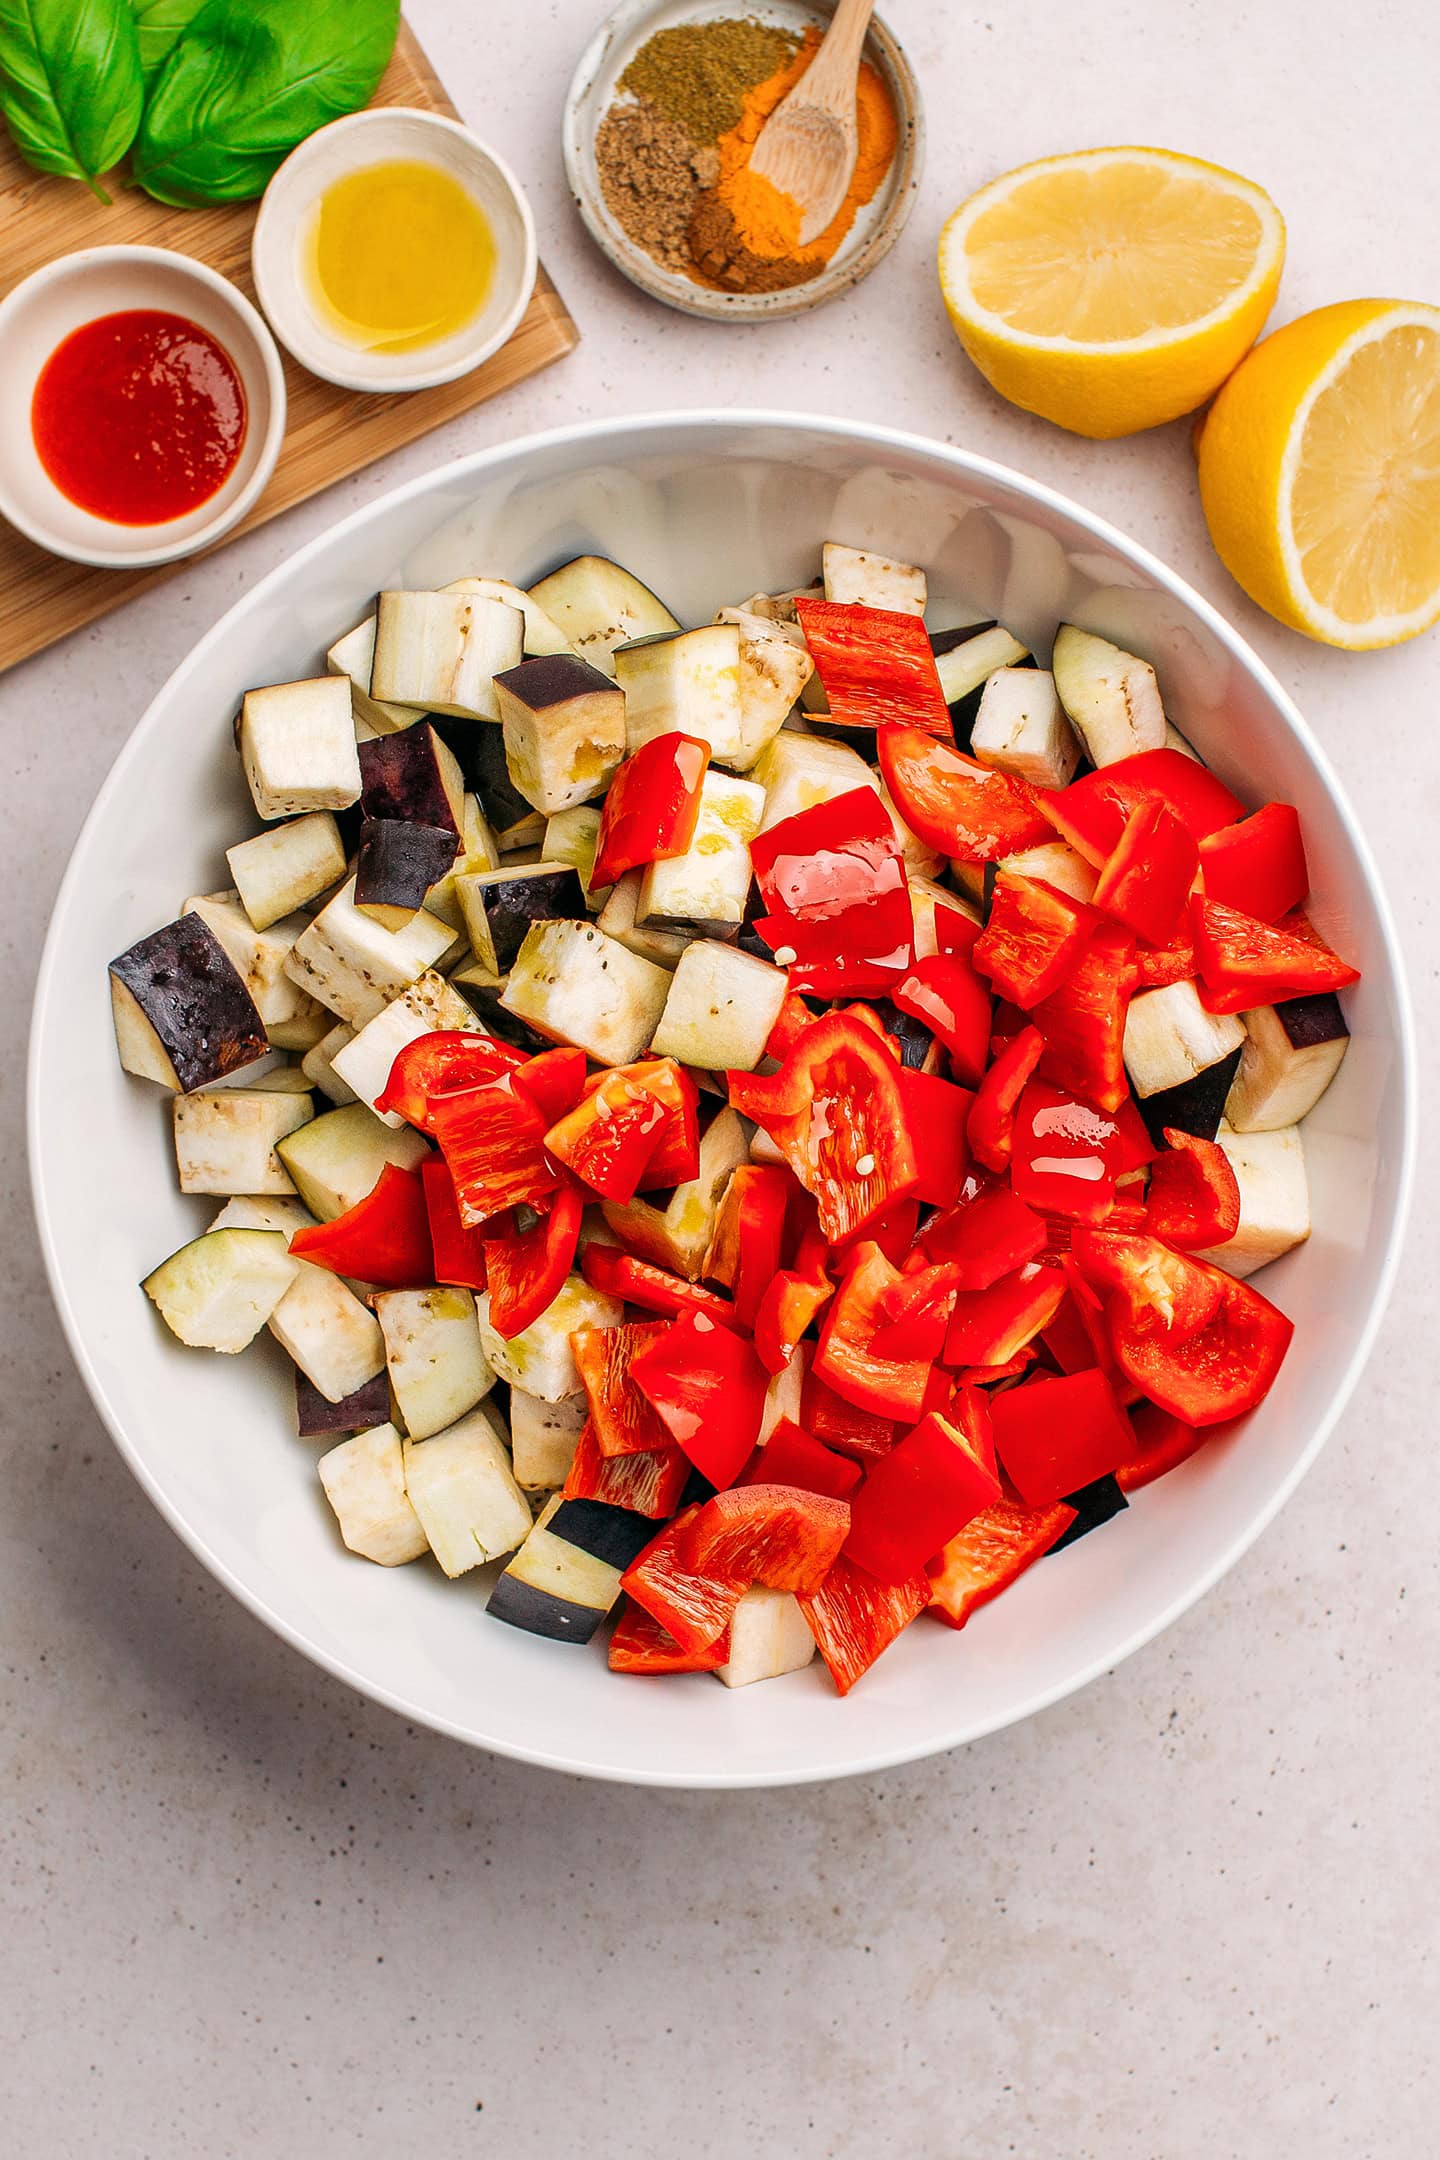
[(651, 173)]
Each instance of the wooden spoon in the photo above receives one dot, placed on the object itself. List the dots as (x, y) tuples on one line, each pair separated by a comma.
[(807, 147)]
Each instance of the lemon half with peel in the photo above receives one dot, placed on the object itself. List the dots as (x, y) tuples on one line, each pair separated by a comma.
[(1111, 290), (1320, 473)]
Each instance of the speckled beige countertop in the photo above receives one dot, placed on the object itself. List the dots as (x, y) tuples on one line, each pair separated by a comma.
[(1185, 1916)]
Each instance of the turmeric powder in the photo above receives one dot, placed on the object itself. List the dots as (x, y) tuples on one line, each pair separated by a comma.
[(744, 234)]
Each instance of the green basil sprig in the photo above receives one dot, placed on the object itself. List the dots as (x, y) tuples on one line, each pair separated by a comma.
[(160, 24), (247, 81), (70, 84)]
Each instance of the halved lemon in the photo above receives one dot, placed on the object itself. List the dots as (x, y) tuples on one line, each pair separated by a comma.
[(1112, 289), (1320, 473)]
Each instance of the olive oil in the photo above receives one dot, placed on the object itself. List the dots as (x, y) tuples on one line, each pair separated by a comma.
[(399, 255)]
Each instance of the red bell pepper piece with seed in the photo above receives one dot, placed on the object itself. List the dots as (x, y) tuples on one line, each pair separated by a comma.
[(965, 809), (924, 1492), (845, 1359), (459, 1254), (1258, 865), (771, 1534), (854, 1618), (554, 1081), (1091, 813), (874, 666), (833, 881), (860, 1434), (988, 1327), (611, 1140), (948, 995), (1181, 1293), (648, 1484), (524, 1269), (1032, 938), (835, 1111), (651, 808), (492, 1141), (1063, 1159), (991, 1128), (749, 1236), (652, 1288), (1054, 1435), (1147, 877), (1083, 1022), (792, 1456), (624, 1421), (985, 1237), (940, 1112), (384, 1239), (989, 1553), (708, 1387), (1162, 1443), (1193, 1199), (1244, 962), (639, 1644), (448, 1062), (692, 1605)]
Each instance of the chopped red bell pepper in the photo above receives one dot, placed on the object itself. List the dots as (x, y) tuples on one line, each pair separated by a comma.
[(1162, 1443), (965, 809), (791, 1301), (1183, 1295), (1083, 1022), (874, 665), (914, 1314), (854, 1618), (989, 1553), (987, 1236), (771, 1534), (1193, 1198), (795, 1017), (1157, 966), (940, 1112), (1132, 1148), (1210, 1374), (384, 1239), (991, 1129), (1258, 865), (1064, 1154), (748, 1241), (924, 1491), (639, 1644), (792, 1456), (1055, 1435), (525, 1268), (611, 1139), (694, 1606), (1091, 813), (491, 1138), (836, 1113), (708, 1387), (554, 1081), (1147, 877), (652, 806), (447, 1062), (955, 933), (949, 996), (833, 881), (652, 1288), (989, 1326), (624, 1422), (459, 1254), (1244, 962), (649, 1484), (845, 1361), (992, 1375), (893, 1232), (840, 1425), (1032, 938)]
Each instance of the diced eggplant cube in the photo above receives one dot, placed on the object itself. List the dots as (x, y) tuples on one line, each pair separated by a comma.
[(478, 851), (297, 744), (721, 1008), (875, 581), (1292, 1053), (1021, 728), (364, 1482), (564, 730), (1169, 1037), (281, 1080), (799, 771), (318, 1063), (710, 882), (678, 1235), (337, 1159), (334, 1339), (414, 776), (543, 1436), (260, 955), (1196, 1106), (225, 1139), (437, 1368), (182, 1013), (966, 658), (1055, 863), (499, 906), (617, 920), (442, 651), (354, 965), (542, 633), (429, 1005), (480, 754), (317, 1419), (566, 1576), (1269, 1169), (1111, 696), (353, 656), (301, 1030), (769, 1636), (775, 666), (461, 1486), (572, 836), (396, 867), (287, 865), (684, 682), (539, 1360), (484, 989), (573, 984), (598, 606), (217, 1292), (265, 1211)]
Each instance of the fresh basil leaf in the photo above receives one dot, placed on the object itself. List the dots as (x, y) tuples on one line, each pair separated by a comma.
[(159, 25), (247, 81), (70, 86)]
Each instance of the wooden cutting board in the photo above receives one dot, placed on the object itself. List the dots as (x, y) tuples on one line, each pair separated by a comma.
[(330, 432)]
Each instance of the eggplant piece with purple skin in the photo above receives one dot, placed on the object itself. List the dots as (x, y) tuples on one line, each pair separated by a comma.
[(182, 1013), (412, 776), (1098, 1502), (480, 754), (316, 1419), (1291, 1053), (499, 906), (1195, 1106), (397, 865)]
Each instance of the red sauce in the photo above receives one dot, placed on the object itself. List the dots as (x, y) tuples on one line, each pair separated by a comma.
[(139, 416)]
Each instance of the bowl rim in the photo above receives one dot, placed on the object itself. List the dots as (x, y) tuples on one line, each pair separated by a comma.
[(82, 262), (716, 420), (274, 204)]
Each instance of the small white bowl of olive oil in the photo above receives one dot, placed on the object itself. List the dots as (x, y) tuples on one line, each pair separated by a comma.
[(393, 251)]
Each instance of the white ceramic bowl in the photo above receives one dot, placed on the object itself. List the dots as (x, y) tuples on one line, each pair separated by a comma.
[(40, 314), (703, 506), (345, 146)]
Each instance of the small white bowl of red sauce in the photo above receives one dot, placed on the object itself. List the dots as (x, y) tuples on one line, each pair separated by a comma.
[(142, 406)]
